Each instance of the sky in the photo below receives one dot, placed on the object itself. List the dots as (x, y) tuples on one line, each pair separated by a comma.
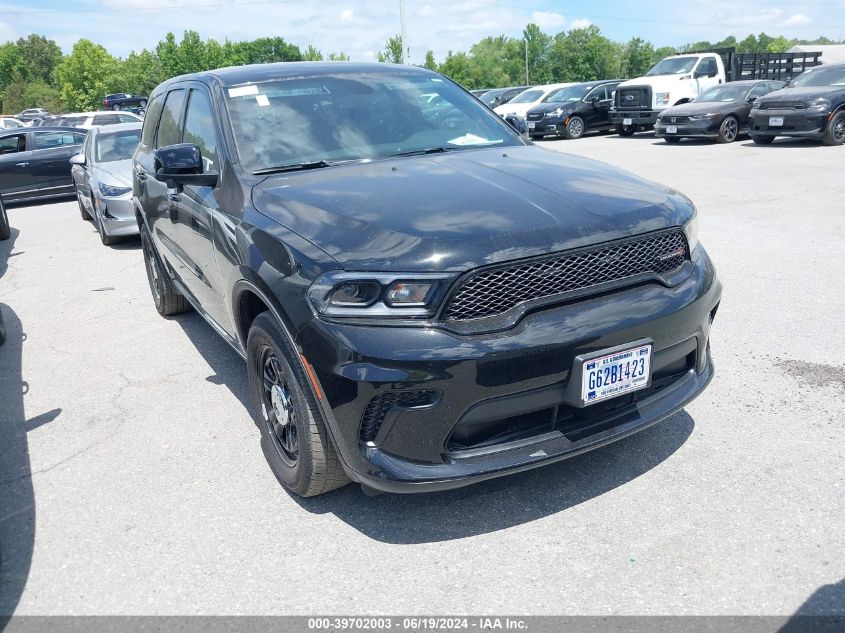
[(360, 29)]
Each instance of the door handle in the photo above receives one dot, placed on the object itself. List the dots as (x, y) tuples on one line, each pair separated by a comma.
[(22, 165), (140, 173)]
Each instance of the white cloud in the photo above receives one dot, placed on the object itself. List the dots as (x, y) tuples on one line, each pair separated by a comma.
[(547, 19), (347, 15), (581, 23), (799, 19)]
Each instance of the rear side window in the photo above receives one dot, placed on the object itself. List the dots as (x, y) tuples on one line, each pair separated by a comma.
[(199, 128), (125, 118), (169, 129), (49, 140), (13, 144), (708, 65), (106, 119), (758, 91), (150, 120)]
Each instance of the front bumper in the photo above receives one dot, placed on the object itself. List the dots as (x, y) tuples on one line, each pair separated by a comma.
[(805, 123), (707, 128), (546, 126), (639, 118), (117, 214), (497, 403)]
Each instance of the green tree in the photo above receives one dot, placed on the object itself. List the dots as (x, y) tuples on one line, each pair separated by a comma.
[(663, 51), (86, 76), (459, 68), (539, 47), (312, 54), (430, 62), (141, 72), (778, 44), (338, 57), (39, 56), (14, 93), (584, 55), (637, 56), (392, 53)]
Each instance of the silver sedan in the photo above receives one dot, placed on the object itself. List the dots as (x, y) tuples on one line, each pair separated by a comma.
[(102, 177)]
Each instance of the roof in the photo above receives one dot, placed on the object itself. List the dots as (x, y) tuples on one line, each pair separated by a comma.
[(117, 127), (748, 82), (94, 113), (255, 73), (831, 53)]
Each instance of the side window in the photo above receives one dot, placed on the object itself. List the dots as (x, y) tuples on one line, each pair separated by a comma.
[(106, 119), (758, 91), (169, 129), (13, 144), (199, 129), (50, 140), (151, 120), (708, 66), (79, 138), (125, 118), (600, 92)]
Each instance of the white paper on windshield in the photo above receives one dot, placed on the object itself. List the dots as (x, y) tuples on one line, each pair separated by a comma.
[(243, 91), (472, 139), (262, 100)]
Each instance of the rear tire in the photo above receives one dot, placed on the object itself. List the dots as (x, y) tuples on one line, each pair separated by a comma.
[(5, 228), (728, 130), (116, 106), (294, 437), (763, 140), (575, 128), (142, 103), (835, 132), (167, 300)]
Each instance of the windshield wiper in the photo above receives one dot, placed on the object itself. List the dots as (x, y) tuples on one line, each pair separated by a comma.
[(425, 150), (316, 164)]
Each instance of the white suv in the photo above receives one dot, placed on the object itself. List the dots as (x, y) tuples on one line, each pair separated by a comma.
[(87, 120)]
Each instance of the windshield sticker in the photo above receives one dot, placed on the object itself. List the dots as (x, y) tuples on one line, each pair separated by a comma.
[(262, 100), (472, 139), (243, 91)]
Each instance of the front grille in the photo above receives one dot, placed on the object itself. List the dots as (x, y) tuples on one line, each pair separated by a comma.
[(494, 291), (783, 105), (535, 117), (378, 408), (635, 98), (675, 119)]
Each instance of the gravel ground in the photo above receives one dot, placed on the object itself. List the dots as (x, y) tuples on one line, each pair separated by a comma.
[(132, 481)]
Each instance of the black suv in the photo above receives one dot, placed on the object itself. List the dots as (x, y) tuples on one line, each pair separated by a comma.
[(574, 110), (123, 101), (811, 106), (420, 306)]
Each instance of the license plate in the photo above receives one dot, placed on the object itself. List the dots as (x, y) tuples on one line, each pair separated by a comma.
[(775, 121), (616, 374), (627, 121), (531, 125), (671, 129)]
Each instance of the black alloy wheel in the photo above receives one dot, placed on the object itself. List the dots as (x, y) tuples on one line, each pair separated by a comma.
[(835, 132), (575, 128), (729, 130), (278, 408)]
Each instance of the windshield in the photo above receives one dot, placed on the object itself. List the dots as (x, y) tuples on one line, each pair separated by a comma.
[(724, 94), (356, 116), (673, 66), (529, 96), (491, 97), (820, 76), (568, 94), (112, 146)]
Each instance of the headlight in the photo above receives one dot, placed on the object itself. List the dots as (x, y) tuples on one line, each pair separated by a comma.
[(819, 105), (555, 113), (662, 98), (703, 117), (113, 191), (691, 231), (343, 294), (755, 105)]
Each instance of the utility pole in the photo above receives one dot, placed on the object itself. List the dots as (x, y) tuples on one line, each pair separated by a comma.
[(403, 34), (526, 62)]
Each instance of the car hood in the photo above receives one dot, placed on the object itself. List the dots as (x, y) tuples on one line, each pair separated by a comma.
[(461, 210), (519, 109), (551, 106), (797, 94), (658, 83), (705, 107), (117, 172)]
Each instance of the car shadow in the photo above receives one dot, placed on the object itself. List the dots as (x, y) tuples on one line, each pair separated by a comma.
[(485, 507), (786, 143), (823, 611), (17, 499)]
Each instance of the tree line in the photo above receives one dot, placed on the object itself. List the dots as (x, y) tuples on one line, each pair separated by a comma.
[(35, 73)]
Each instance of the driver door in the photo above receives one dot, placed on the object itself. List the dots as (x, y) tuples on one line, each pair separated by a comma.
[(706, 67)]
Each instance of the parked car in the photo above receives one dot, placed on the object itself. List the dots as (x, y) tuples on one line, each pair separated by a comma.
[(102, 177), (812, 106), (88, 120), (123, 100), (419, 308), (527, 99), (480, 92), (573, 111), (31, 114), (500, 96), (34, 162), (721, 113), (11, 123), (684, 77)]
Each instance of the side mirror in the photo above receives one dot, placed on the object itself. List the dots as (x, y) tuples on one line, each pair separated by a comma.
[(752, 99), (181, 164), (77, 159), (518, 124)]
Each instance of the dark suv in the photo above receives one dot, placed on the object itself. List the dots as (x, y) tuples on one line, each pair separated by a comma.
[(573, 111), (811, 106), (123, 101), (420, 306)]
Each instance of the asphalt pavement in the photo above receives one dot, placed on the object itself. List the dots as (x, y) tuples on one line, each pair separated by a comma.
[(132, 479)]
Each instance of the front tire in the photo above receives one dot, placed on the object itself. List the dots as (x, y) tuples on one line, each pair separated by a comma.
[(626, 130), (763, 140), (672, 139), (5, 227), (116, 106), (105, 238), (293, 435), (167, 300), (575, 128), (835, 132), (728, 131)]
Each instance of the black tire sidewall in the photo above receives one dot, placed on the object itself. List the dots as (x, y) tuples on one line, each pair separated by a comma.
[(5, 227), (722, 138), (569, 134), (829, 138), (763, 140), (146, 243), (265, 332)]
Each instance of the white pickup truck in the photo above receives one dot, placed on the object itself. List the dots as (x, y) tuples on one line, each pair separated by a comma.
[(673, 80)]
